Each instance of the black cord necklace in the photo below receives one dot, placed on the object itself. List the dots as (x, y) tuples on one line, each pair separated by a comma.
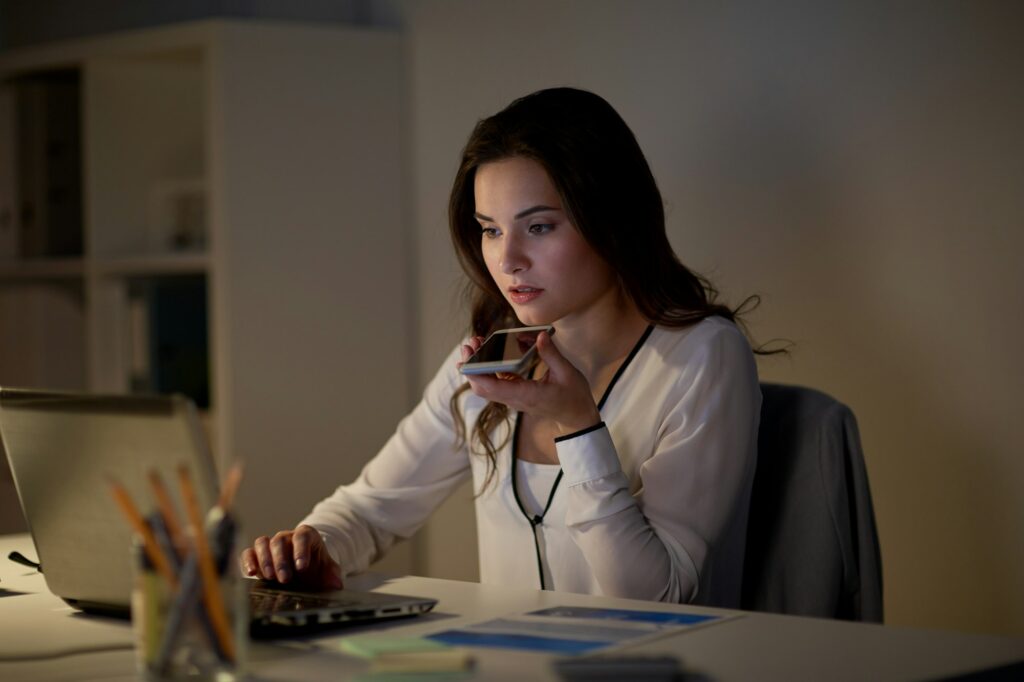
[(536, 520)]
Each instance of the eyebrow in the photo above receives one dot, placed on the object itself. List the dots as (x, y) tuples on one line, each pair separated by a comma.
[(521, 214)]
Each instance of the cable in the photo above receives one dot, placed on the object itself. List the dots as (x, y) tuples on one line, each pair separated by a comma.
[(19, 558), (62, 653)]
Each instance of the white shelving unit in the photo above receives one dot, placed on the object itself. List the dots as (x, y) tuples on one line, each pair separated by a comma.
[(262, 163)]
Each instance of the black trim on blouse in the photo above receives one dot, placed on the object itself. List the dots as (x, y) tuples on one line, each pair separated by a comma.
[(624, 365), (581, 432), (538, 519)]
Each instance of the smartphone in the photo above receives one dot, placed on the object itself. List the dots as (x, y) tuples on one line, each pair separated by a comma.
[(507, 350)]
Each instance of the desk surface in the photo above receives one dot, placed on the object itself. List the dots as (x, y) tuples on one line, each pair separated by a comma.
[(750, 646)]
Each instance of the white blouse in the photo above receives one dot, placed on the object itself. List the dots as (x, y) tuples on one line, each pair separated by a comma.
[(651, 505)]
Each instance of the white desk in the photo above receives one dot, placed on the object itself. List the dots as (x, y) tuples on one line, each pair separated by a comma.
[(752, 646)]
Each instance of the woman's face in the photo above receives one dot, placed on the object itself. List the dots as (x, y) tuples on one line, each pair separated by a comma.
[(537, 258)]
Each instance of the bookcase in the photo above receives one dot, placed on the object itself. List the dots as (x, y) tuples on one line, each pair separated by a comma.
[(215, 208)]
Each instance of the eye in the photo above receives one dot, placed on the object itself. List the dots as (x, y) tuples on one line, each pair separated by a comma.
[(489, 232), (541, 228)]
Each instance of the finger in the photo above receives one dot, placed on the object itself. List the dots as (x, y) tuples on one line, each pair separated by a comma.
[(549, 353), (302, 541), (247, 562), (281, 550), (264, 558), (322, 571), (483, 384), (329, 575), (471, 346), (516, 394), (333, 580)]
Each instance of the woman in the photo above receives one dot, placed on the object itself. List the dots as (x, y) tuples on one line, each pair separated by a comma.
[(623, 465)]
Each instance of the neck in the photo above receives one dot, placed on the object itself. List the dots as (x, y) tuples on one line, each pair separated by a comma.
[(604, 337)]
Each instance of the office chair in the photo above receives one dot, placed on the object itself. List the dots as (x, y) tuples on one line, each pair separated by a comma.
[(812, 546)]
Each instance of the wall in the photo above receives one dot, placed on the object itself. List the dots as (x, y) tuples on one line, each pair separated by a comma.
[(26, 23), (861, 168)]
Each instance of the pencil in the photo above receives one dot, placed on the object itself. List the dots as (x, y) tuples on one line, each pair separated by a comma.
[(211, 586), (149, 543), (230, 487), (166, 507)]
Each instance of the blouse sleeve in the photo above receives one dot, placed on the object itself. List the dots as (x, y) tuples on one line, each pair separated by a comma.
[(694, 490), (397, 490)]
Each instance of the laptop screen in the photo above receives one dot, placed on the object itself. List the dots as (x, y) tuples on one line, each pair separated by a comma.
[(63, 448)]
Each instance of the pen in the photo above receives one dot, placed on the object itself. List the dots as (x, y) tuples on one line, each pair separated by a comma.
[(184, 602), (211, 586), (147, 608), (163, 541)]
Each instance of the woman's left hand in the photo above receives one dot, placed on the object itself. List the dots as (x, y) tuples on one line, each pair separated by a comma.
[(561, 395)]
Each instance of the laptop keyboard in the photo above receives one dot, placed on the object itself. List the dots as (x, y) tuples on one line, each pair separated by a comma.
[(262, 600)]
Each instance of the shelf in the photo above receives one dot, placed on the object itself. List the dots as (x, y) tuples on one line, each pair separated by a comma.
[(217, 227), (167, 340), (42, 268), (153, 264)]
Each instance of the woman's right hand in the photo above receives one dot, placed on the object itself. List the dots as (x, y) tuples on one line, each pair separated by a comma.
[(296, 557)]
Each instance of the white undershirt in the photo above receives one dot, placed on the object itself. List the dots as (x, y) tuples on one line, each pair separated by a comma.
[(534, 482)]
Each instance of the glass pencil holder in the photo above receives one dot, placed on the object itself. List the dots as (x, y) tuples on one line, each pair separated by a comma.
[(190, 616)]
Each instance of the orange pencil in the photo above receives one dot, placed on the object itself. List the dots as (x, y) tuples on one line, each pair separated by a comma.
[(149, 543), (166, 507), (211, 587), (230, 487)]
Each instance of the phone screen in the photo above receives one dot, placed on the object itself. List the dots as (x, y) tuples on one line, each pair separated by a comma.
[(507, 350), (507, 346)]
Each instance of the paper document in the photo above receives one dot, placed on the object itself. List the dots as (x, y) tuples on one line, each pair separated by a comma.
[(573, 629)]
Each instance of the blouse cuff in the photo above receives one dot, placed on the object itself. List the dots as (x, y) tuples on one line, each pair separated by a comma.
[(581, 432), (333, 550), (587, 455)]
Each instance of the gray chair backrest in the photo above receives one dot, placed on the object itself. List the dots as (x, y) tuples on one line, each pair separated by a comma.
[(812, 545)]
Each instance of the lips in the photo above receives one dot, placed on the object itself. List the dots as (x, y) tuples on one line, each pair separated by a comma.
[(523, 294)]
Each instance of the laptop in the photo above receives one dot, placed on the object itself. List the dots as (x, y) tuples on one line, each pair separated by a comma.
[(64, 447)]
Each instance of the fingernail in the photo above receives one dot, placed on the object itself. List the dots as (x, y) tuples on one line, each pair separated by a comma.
[(283, 574), (300, 563)]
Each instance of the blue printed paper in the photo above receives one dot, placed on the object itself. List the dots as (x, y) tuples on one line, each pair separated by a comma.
[(552, 645), (570, 630)]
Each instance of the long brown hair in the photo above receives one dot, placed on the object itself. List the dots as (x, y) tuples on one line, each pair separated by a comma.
[(610, 196)]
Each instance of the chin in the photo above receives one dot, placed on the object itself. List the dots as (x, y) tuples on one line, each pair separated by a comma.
[(539, 322), (531, 318)]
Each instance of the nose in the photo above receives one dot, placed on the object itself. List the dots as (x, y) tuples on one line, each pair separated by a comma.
[(513, 258)]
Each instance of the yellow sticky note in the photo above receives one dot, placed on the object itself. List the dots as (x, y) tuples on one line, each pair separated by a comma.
[(371, 646), (438, 661)]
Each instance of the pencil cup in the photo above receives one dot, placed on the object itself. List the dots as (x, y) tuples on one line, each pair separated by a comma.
[(192, 622)]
